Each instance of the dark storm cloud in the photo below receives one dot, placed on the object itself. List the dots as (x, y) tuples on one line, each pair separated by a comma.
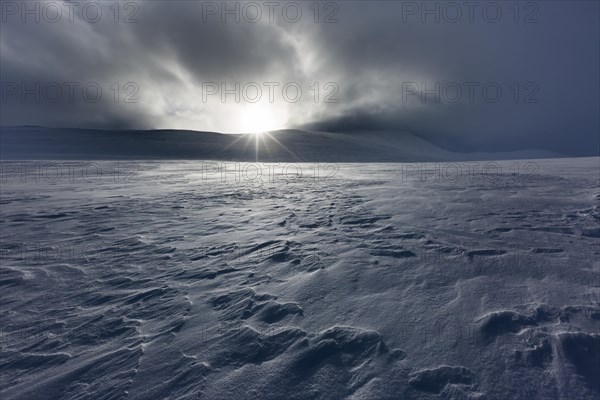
[(552, 64), (380, 54)]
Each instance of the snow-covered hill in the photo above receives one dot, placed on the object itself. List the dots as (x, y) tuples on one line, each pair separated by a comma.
[(25, 143)]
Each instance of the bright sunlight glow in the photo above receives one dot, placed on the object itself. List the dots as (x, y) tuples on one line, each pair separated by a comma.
[(257, 119)]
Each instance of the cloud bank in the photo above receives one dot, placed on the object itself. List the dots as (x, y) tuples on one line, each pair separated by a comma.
[(464, 75)]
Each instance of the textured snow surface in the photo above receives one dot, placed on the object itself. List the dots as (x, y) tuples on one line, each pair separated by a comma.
[(181, 280)]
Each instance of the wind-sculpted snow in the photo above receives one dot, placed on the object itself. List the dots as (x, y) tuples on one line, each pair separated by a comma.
[(201, 280)]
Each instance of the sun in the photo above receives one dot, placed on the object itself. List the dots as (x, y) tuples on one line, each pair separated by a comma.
[(257, 119)]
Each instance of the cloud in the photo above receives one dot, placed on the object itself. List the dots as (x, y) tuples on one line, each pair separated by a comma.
[(383, 65), (546, 72)]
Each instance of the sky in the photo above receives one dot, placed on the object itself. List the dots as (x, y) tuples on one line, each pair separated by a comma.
[(468, 76)]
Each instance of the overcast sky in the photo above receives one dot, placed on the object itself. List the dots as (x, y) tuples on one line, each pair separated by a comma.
[(495, 77)]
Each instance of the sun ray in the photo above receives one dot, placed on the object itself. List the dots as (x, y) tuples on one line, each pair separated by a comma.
[(282, 146)]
